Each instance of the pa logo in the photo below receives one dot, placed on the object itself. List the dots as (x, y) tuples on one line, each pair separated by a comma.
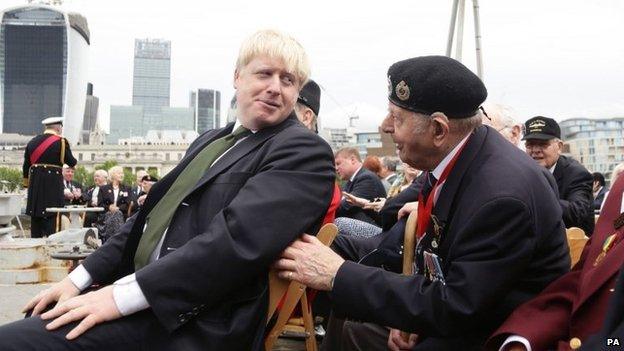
[(613, 342)]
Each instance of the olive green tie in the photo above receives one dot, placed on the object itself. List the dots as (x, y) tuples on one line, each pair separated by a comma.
[(160, 216)]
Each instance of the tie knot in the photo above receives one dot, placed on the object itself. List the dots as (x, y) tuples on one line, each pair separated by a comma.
[(240, 132)]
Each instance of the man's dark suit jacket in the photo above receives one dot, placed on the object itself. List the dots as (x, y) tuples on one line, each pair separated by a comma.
[(502, 242), (575, 194), (124, 198), (209, 288), (74, 185), (600, 197), (367, 185)]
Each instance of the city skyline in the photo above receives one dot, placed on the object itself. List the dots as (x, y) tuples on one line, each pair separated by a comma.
[(559, 59)]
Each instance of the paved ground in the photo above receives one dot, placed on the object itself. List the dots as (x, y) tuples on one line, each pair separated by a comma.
[(13, 297)]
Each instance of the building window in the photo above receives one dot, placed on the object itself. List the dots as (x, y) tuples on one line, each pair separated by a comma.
[(80, 156), (167, 156), (92, 157)]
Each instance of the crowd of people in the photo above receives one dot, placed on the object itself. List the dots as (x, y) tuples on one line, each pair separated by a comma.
[(187, 268)]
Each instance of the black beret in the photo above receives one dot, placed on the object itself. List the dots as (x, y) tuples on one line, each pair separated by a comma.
[(429, 84), (149, 178), (310, 95), (541, 128)]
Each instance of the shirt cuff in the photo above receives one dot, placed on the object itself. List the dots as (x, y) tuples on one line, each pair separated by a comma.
[(516, 338), (81, 278), (128, 295)]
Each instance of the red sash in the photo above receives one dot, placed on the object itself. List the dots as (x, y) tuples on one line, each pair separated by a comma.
[(424, 210), (34, 157)]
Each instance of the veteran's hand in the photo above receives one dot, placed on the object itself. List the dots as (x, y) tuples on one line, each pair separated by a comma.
[(375, 205), (408, 208), (60, 292), (92, 308), (396, 342), (309, 262)]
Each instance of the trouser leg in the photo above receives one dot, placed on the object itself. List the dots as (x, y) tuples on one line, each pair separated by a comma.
[(36, 227), (29, 334), (364, 337)]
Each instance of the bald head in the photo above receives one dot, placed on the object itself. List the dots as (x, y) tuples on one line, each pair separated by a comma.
[(502, 118)]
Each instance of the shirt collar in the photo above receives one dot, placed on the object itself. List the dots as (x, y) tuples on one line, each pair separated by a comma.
[(238, 124), (437, 172), (354, 174), (50, 131), (552, 169)]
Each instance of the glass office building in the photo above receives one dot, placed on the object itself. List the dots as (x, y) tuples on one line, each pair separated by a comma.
[(152, 74), (596, 143), (43, 69), (207, 106)]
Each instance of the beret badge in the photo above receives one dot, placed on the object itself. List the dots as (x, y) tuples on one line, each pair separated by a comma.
[(402, 91)]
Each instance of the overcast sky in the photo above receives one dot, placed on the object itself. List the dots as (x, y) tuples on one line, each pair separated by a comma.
[(556, 58)]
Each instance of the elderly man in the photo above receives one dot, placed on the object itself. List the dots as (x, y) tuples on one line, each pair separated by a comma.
[(570, 310), (502, 119), (93, 197), (194, 261), (490, 233), (44, 156), (544, 145), (360, 182), (72, 189)]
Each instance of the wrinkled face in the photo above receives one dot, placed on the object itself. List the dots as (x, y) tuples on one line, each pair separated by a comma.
[(266, 92), (99, 180), (68, 174), (346, 166), (545, 152), (410, 133)]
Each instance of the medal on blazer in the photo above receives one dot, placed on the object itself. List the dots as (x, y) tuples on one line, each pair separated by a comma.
[(610, 240)]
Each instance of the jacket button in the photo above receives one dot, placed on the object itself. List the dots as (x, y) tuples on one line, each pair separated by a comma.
[(575, 343)]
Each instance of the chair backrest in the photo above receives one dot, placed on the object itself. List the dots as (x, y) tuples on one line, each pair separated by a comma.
[(576, 242), (279, 286), (409, 243)]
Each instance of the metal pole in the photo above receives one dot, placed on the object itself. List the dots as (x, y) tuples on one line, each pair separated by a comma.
[(475, 7), (460, 31), (449, 44)]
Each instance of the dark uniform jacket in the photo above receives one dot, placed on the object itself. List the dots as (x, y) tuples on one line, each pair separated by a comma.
[(499, 234), (209, 288), (73, 185), (575, 194), (599, 198), (124, 198), (574, 305), (43, 177), (367, 185)]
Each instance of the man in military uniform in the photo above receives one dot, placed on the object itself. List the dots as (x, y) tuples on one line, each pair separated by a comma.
[(572, 308), (575, 183), (43, 161), (490, 233)]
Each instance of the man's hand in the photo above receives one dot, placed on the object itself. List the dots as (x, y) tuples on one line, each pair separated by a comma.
[(354, 200), (92, 308), (113, 208), (408, 208), (396, 342), (309, 262), (60, 292), (375, 205), (141, 199)]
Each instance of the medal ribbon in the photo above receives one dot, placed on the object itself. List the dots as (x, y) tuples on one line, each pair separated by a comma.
[(424, 210)]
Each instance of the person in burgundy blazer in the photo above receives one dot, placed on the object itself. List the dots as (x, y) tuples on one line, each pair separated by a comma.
[(573, 307)]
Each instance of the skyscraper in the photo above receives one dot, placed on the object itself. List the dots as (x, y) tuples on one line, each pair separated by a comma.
[(207, 106), (152, 75), (43, 69)]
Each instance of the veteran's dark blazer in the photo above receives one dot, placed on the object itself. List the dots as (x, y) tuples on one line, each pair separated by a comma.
[(124, 198), (575, 305), (502, 240), (209, 289), (575, 194), (367, 185)]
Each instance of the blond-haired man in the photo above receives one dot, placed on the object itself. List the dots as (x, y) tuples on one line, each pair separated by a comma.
[(189, 270)]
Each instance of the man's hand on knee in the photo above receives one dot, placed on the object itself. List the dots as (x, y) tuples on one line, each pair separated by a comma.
[(90, 309), (396, 342), (60, 292)]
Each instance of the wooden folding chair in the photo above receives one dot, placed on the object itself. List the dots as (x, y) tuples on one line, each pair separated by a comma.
[(409, 246), (295, 294), (576, 242)]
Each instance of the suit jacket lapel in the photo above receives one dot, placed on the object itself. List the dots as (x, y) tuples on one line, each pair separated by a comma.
[(562, 164), (241, 149), (450, 190)]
